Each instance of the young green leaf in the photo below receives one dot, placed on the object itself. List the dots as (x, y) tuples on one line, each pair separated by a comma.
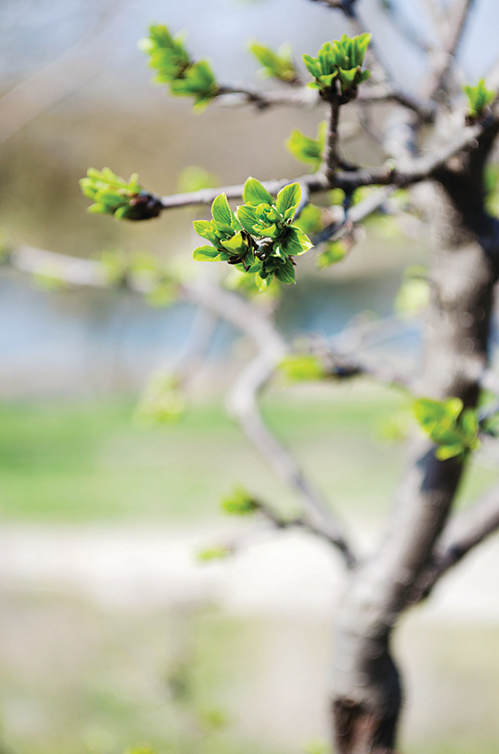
[(285, 272), (220, 210), (305, 149), (255, 194), (288, 198), (278, 65), (205, 254)]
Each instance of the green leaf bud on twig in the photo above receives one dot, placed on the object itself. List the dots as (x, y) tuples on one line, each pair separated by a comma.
[(479, 98), (337, 69), (112, 195)]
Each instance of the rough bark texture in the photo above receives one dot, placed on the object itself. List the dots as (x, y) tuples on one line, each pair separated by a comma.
[(367, 690)]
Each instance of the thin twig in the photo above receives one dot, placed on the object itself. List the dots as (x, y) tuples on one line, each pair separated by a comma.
[(445, 60)]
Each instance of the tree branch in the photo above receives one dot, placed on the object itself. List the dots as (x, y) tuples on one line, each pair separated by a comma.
[(236, 95), (271, 348), (444, 60), (463, 533), (243, 404)]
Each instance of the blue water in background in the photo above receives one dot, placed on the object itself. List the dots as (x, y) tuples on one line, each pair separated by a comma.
[(87, 341)]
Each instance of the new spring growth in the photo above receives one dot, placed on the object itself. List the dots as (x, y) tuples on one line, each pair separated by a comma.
[(260, 238), (112, 195), (453, 429), (174, 67), (337, 69), (277, 65), (306, 149), (479, 98)]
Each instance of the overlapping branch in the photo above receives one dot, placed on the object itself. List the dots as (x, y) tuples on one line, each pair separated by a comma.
[(463, 533), (405, 173), (249, 319)]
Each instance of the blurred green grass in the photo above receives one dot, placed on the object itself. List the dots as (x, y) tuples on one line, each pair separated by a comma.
[(78, 461)]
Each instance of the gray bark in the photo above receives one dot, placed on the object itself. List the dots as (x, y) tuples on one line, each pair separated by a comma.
[(367, 689)]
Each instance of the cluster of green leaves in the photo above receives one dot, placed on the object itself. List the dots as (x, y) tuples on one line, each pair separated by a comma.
[(112, 195), (454, 431), (277, 65), (174, 66), (479, 97), (299, 367), (162, 400), (259, 238), (239, 503), (339, 63), (306, 149)]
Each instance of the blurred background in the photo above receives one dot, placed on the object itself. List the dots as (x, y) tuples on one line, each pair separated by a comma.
[(112, 634)]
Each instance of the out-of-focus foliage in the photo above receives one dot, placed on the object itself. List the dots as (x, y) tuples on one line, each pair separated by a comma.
[(194, 178), (239, 503), (454, 431), (306, 149), (334, 252), (174, 66), (216, 552), (414, 293), (479, 97), (310, 220), (300, 367), (278, 65), (162, 400)]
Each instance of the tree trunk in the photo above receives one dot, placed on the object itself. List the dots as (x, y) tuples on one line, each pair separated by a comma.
[(367, 690)]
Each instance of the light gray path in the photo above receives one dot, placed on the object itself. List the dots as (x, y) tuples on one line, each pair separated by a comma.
[(151, 566)]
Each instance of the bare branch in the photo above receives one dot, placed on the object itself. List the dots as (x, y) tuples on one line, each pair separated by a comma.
[(243, 404), (298, 522), (341, 365), (405, 28), (405, 173), (444, 61), (353, 215), (463, 533), (271, 348), (314, 183), (233, 96)]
